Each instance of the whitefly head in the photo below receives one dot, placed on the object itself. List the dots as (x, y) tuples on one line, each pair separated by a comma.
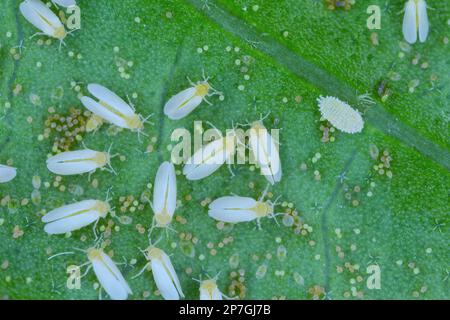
[(202, 89), (102, 207), (263, 208), (94, 253), (152, 253)]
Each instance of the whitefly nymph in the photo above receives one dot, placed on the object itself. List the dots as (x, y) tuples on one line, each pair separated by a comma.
[(340, 114)]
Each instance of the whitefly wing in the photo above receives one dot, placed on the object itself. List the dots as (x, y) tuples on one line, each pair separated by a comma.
[(110, 278), (181, 104), (163, 281), (410, 22), (73, 162), (424, 24), (165, 192), (232, 209), (7, 173)]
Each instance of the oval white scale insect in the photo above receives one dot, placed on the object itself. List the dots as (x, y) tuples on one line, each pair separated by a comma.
[(340, 114), (210, 157), (183, 103), (108, 274), (165, 194), (265, 152), (40, 16), (209, 290), (78, 162), (164, 274), (415, 21), (74, 216), (7, 173), (112, 108)]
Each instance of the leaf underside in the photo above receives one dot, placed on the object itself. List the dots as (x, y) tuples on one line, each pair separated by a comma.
[(265, 56)]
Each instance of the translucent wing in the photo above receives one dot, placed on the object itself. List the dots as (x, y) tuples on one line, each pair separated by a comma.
[(71, 223), (181, 104), (266, 154), (69, 209), (205, 161), (165, 194), (410, 22), (104, 94), (73, 162), (7, 173), (424, 24), (232, 209), (103, 112), (163, 281)]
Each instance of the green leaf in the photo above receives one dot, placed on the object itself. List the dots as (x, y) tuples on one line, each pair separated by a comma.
[(265, 56)]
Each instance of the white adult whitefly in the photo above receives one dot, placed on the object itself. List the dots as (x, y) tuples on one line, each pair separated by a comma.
[(108, 274), (236, 209), (265, 152), (184, 102), (415, 21), (44, 19), (210, 157), (165, 194), (112, 108)]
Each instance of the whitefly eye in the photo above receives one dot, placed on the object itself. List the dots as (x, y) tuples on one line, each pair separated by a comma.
[(210, 157)]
